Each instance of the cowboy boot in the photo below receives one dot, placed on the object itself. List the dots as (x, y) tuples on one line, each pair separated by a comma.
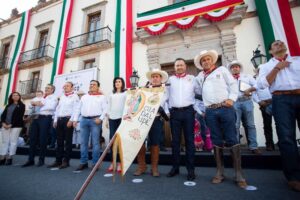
[(141, 159), (154, 160), (219, 158), (236, 158)]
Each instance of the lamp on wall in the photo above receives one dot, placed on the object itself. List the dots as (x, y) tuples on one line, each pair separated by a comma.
[(134, 79), (258, 58)]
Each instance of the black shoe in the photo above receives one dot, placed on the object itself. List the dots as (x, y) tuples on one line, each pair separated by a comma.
[(173, 172), (28, 163), (191, 176), (8, 161), (2, 162), (41, 163), (82, 167), (54, 165)]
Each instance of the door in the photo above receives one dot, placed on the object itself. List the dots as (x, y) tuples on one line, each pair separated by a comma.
[(42, 44), (93, 28)]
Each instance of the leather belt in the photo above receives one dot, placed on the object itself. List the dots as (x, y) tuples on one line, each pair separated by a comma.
[(182, 108), (216, 106), (65, 117), (287, 92), (243, 98), (91, 117)]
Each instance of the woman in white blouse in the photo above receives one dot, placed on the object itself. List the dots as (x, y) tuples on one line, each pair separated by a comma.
[(115, 109)]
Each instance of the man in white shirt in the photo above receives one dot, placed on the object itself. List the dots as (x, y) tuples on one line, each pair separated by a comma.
[(181, 100), (40, 126), (281, 75), (156, 78), (243, 106), (63, 122), (93, 109), (219, 91)]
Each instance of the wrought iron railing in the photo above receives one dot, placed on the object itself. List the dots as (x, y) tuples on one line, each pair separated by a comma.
[(30, 86), (4, 63), (41, 52), (92, 37)]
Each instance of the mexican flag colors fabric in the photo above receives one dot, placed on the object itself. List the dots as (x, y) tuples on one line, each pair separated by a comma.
[(13, 66), (62, 39), (277, 23), (139, 112), (123, 40)]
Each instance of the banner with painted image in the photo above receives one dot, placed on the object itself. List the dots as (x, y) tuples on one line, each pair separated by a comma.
[(139, 112)]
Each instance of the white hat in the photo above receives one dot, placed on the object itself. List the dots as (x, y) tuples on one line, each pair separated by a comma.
[(163, 74), (211, 53), (235, 62)]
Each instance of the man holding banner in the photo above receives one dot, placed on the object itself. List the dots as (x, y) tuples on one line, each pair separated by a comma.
[(156, 78), (181, 100)]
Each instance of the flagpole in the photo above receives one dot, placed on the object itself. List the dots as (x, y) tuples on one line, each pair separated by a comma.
[(97, 165)]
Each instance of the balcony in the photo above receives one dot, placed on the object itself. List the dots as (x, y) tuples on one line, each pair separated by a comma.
[(36, 57), (89, 42), (28, 88), (4, 65)]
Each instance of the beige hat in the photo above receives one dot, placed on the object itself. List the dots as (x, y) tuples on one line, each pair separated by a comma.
[(80, 92), (211, 53), (163, 74), (235, 62)]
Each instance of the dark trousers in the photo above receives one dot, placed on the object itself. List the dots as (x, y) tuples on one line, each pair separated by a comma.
[(64, 140), (268, 130), (156, 131), (221, 122), (39, 129), (183, 119), (286, 109)]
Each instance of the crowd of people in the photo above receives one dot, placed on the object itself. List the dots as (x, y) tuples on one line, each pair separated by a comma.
[(220, 98)]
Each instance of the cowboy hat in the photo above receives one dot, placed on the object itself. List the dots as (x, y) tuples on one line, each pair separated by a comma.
[(211, 53), (163, 74), (234, 62)]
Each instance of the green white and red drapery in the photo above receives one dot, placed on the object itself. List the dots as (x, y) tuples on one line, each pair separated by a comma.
[(62, 39), (123, 40), (185, 15), (13, 66), (277, 23)]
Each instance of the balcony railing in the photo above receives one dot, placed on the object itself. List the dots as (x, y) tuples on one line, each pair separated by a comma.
[(93, 37), (41, 52), (4, 63), (29, 87)]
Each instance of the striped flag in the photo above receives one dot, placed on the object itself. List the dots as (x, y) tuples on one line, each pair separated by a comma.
[(277, 23), (62, 39), (123, 40), (21, 41)]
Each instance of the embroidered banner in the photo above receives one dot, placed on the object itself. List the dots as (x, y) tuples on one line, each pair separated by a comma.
[(140, 110)]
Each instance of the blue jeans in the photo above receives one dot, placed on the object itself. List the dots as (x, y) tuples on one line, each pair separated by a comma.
[(39, 129), (183, 119), (286, 109), (89, 127), (221, 122), (156, 131), (245, 110)]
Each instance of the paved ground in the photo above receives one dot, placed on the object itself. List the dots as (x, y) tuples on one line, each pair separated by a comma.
[(41, 183)]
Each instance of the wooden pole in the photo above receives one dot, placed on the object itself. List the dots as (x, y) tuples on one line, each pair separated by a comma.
[(93, 172)]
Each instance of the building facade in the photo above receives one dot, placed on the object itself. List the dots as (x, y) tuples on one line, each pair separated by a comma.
[(91, 41)]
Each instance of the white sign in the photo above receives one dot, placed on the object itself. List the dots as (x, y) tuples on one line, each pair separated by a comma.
[(81, 80)]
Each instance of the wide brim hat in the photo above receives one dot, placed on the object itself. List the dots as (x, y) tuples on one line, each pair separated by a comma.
[(163, 74), (211, 53), (235, 62)]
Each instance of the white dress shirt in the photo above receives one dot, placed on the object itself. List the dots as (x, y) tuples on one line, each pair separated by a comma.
[(49, 105), (182, 91), (286, 79), (218, 86), (67, 106), (116, 105), (199, 107), (248, 79), (93, 105), (262, 95)]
